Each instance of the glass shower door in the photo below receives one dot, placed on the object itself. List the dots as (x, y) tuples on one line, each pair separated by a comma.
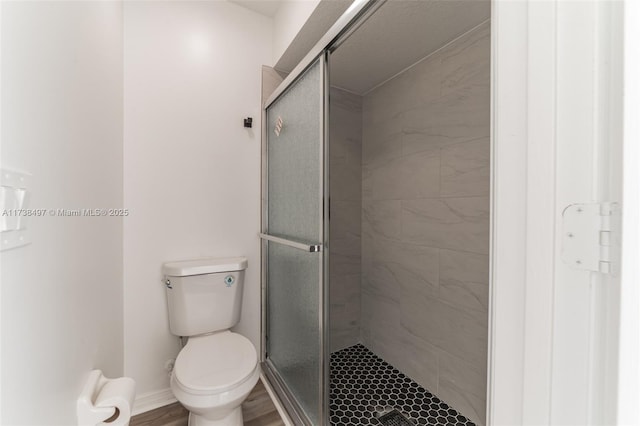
[(293, 243)]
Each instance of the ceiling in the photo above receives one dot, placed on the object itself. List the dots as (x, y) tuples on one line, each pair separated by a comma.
[(323, 17), (398, 35), (264, 7)]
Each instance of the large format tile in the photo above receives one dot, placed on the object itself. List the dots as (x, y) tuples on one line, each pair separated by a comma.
[(345, 149), (345, 291), (464, 280), (345, 131), (472, 377), (386, 101), (383, 280), (425, 220), (366, 249), (467, 62), (345, 138), (465, 169), (414, 176), (413, 267), (411, 354), (419, 175), (345, 101), (380, 318), (383, 182), (343, 338), (344, 318), (382, 218), (453, 223), (367, 183), (345, 255), (381, 141), (463, 385), (463, 334), (417, 86), (423, 81), (345, 152), (391, 279), (460, 116), (353, 149), (469, 405), (345, 216), (417, 133), (345, 181)]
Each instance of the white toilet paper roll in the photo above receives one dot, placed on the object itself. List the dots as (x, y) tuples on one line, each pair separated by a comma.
[(117, 393)]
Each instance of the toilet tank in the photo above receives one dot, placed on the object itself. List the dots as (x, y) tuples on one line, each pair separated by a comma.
[(204, 295)]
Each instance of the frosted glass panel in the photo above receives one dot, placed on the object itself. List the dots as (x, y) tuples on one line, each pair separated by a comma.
[(294, 277), (294, 160), (294, 336)]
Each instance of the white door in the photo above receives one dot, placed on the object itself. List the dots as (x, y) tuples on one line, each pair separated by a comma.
[(588, 135), (557, 142)]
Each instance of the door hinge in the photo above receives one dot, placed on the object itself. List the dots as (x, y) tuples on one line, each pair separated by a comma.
[(589, 236)]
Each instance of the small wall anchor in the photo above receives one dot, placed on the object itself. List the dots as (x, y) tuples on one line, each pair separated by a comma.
[(248, 122)]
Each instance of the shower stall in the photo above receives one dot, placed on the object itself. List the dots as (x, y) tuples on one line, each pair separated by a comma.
[(375, 233)]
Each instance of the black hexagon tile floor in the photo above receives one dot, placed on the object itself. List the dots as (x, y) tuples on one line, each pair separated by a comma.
[(365, 390)]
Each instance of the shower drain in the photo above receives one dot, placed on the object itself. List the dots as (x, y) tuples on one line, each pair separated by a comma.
[(394, 418)]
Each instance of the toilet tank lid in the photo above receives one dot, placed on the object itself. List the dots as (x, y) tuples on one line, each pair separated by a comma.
[(204, 266)]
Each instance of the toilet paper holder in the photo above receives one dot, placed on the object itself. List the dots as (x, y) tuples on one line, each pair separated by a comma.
[(106, 401)]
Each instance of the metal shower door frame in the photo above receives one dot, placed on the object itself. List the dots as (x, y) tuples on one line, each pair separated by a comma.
[(355, 16), (277, 382)]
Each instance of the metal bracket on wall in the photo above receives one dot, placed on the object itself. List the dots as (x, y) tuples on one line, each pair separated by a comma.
[(590, 236), (14, 200)]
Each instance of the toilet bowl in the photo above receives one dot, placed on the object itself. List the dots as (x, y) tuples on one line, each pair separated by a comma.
[(213, 375)]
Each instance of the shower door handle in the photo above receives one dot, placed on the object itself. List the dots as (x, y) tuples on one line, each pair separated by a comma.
[(311, 248)]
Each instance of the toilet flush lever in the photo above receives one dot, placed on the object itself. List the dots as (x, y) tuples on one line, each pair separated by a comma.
[(167, 282)]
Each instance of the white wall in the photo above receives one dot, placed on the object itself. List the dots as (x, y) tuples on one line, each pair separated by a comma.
[(191, 171), (62, 122), (288, 21)]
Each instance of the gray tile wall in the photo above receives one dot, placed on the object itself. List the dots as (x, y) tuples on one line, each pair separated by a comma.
[(345, 151), (425, 222)]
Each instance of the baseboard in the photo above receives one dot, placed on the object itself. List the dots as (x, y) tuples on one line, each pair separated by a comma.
[(152, 400), (283, 413)]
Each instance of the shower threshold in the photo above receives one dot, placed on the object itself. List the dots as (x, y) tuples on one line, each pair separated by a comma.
[(366, 390)]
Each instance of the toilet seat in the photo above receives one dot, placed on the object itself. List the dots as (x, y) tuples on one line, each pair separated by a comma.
[(215, 363)]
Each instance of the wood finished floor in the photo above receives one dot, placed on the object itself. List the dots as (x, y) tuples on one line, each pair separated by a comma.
[(257, 410)]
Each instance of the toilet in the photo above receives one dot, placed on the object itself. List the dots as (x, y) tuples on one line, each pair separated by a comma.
[(217, 369)]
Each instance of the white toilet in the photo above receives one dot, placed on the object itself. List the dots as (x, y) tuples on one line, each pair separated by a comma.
[(217, 369)]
